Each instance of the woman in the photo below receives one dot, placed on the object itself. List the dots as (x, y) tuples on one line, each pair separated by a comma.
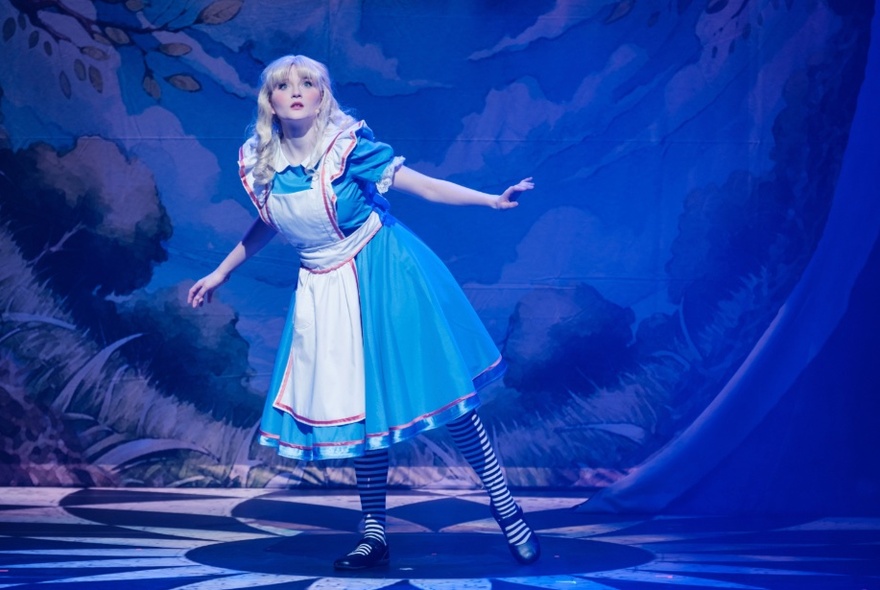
[(381, 343)]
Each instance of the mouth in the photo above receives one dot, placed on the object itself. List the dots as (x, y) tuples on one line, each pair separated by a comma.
[(296, 105)]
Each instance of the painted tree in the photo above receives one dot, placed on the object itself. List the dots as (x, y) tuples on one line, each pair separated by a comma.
[(89, 219), (96, 28)]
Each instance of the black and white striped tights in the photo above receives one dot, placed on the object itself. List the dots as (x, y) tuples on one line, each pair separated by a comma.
[(472, 441)]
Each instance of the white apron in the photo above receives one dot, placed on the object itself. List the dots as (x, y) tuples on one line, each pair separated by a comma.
[(323, 382)]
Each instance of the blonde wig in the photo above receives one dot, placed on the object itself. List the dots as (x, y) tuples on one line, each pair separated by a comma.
[(266, 130)]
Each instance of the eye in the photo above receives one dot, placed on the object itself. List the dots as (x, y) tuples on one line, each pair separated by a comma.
[(281, 86), (308, 83)]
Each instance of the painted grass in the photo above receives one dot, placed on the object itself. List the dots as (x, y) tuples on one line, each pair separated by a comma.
[(137, 435), (119, 417)]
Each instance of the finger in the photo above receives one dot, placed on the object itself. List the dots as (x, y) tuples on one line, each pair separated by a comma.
[(513, 192), (191, 294), (197, 298)]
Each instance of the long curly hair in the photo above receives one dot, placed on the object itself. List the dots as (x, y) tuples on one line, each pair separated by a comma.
[(266, 130)]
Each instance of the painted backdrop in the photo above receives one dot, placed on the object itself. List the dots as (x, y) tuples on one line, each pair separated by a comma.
[(686, 155)]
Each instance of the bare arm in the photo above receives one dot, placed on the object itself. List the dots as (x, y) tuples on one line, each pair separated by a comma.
[(256, 237), (449, 193)]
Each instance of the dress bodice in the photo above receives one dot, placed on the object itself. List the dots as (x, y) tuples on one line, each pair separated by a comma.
[(313, 208)]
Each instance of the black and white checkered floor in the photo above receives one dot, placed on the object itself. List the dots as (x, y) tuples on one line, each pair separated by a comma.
[(227, 539)]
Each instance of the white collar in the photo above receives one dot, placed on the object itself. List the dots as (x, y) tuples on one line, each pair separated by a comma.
[(281, 163)]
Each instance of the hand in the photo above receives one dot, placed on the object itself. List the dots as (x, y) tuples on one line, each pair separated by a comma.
[(508, 199), (203, 290)]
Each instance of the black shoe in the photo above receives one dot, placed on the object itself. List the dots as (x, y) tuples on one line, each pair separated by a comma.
[(527, 552), (378, 555)]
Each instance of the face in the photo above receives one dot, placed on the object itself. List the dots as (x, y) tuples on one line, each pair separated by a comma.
[(296, 100)]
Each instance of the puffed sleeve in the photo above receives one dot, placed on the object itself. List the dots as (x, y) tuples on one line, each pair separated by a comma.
[(373, 161)]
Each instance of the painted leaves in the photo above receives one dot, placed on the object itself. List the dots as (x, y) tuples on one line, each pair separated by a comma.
[(8, 28), (52, 34), (215, 13), (82, 72), (184, 82), (219, 12), (139, 35)]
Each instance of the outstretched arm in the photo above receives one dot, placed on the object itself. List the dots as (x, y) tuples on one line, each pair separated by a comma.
[(253, 241), (449, 193)]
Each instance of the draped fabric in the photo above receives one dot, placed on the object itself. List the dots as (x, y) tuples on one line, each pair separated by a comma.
[(684, 472)]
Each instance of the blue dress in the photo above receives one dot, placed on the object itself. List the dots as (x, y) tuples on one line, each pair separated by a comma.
[(425, 350)]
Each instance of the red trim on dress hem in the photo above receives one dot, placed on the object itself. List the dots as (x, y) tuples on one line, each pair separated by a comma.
[(390, 430), (316, 445), (423, 416), (362, 441), (310, 422), (489, 368)]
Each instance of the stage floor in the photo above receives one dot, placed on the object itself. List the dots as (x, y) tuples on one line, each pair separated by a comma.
[(440, 540)]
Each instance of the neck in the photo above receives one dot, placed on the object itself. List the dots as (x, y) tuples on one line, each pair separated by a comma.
[(298, 141)]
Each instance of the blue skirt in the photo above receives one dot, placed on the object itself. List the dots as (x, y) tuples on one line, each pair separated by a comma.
[(426, 354)]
